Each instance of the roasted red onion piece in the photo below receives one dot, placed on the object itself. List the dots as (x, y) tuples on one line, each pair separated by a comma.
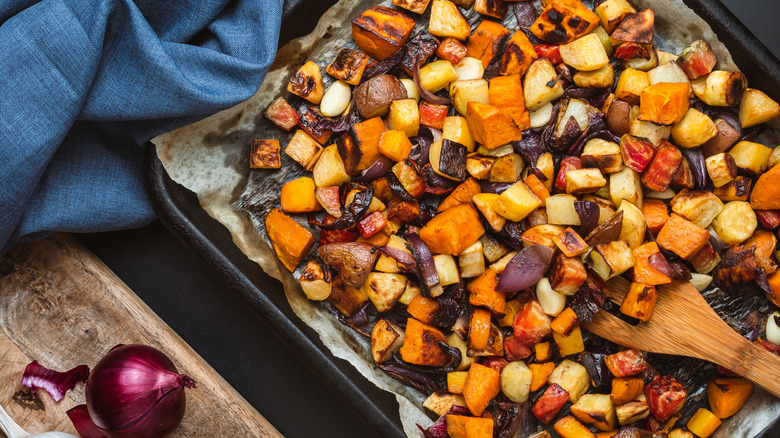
[(425, 94), (377, 170), (698, 167), (588, 211), (424, 259), (525, 269)]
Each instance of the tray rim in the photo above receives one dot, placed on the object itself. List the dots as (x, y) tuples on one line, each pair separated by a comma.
[(167, 197)]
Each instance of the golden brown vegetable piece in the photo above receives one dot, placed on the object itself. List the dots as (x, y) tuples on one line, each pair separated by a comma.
[(479, 329), (373, 97), (483, 292), (386, 338), (421, 345), (518, 55), (395, 145), (447, 21), (656, 214), (487, 40), (756, 107), (347, 299), (282, 114), (726, 137), (490, 126), (721, 168), (612, 13), (506, 94), (381, 31), (664, 103), (639, 302), (703, 423), (360, 149), (682, 237), (316, 281), (348, 66), (352, 260), (727, 395), (644, 272), (637, 28), (764, 244), (563, 21), (297, 196), (540, 373), (452, 50), (329, 168), (459, 426), (461, 195), (492, 8), (423, 309), (595, 409), (482, 384), (265, 154), (565, 323), (307, 83), (625, 389), (570, 243), (569, 427), (567, 274), (453, 230), (766, 193), (303, 149), (290, 240), (417, 6)]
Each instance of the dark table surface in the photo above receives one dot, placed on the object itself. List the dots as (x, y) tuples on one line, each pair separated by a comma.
[(217, 324)]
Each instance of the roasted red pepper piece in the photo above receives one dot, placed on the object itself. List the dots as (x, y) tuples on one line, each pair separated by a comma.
[(550, 403), (549, 51), (371, 224)]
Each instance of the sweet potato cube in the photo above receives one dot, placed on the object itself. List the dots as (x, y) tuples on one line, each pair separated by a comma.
[(282, 114), (456, 380), (626, 363), (487, 40), (564, 20), (452, 50), (265, 154), (492, 8), (490, 126), (571, 343), (727, 395), (479, 329), (703, 423), (290, 240), (659, 174), (569, 427), (639, 302), (482, 385), (567, 274), (423, 309), (348, 66), (453, 230), (625, 389), (395, 145), (550, 403), (386, 338), (518, 55), (297, 196), (540, 372), (543, 351), (570, 243), (766, 191), (381, 31), (461, 195), (447, 21), (682, 237), (644, 272), (506, 94), (656, 214), (421, 345), (565, 323), (664, 103), (482, 292), (307, 83), (361, 149), (485, 203), (459, 426), (416, 6)]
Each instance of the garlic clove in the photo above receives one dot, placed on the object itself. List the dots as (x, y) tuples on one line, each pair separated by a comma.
[(411, 89), (772, 329), (336, 99)]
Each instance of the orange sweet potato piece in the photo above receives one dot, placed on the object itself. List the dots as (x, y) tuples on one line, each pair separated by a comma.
[(462, 194), (479, 329), (346, 298), (460, 426), (490, 126), (643, 271), (537, 186), (664, 103), (290, 240), (456, 380), (764, 244), (482, 292), (506, 94), (297, 196), (486, 41), (766, 193), (566, 322), (401, 211), (543, 351), (569, 427), (656, 214), (482, 384), (421, 345), (453, 230), (727, 395), (625, 389), (639, 302), (682, 237), (395, 145), (423, 309), (518, 55), (540, 372), (381, 31), (564, 20), (361, 149)]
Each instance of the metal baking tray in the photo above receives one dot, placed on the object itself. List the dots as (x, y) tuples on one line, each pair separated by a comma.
[(180, 212)]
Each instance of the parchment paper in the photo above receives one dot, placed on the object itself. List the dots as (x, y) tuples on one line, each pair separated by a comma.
[(210, 158)]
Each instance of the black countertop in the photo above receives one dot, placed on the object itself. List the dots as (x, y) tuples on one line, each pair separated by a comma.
[(217, 324)]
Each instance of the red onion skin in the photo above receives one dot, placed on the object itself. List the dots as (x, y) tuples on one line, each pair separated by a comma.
[(135, 391)]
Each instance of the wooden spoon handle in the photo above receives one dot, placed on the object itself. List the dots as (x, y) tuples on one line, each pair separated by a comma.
[(759, 366)]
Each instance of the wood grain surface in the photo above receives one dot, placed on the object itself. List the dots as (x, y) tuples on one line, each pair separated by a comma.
[(62, 306)]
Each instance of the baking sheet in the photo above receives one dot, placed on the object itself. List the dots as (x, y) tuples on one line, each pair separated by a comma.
[(210, 159)]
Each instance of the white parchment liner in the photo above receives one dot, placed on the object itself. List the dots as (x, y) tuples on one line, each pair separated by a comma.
[(210, 158)]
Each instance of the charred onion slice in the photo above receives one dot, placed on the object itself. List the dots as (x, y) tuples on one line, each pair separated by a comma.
[(588, 211), (525, 269), (424, 259), (425, 94)]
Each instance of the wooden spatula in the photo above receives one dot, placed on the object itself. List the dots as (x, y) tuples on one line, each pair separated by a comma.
[(684, 324)]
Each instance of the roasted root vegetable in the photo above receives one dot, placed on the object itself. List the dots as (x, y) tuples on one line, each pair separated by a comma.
[(611, 259), (472, 90), (282, 114), (451, 49), (541, 84), (421, 345), (659, 174), (703, 423), (735, 223), (447, 21), (417, 6), (612, 12), (569, 427), (290, 240), (297, 196), (348, 66), (564, 20), (721, 88), (374, 96), (727, 395), (307, 83), (453, 230), (644, 271), (550, 403), (490, 126), (721, 169), (694, 129), (517, 202), (360, 149), (441, 402), (585, 54), (639, 302), (665, 397), (381, 31), (265, 154), (487, 40), (626, 389), (572, 377), (682, 236), (665, 103), (316, 280), (482, 384), (386, 338), (304, 149), (459, 426), (595, 409), (633, 411), (756, 107)]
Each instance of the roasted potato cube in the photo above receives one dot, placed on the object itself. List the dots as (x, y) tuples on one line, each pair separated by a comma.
[(486, 42), (437, 75), (570, 243), (694, 129), (387, 264), (612, 12), (668, 72), (564, 20), (307, 83), (374, 96), (490, 126), (421, 345), (537, 91), (633, 411), (735, 223), (595, 409), (611, 259), (455, 381), (561, 211), (580, 181), (756, 108), (282, 114), (518, 55), (705, 260), (639, 302), (452, 50), (630, 85), (478, 166), (381, 31), (265, 154), (603, 155), (303, 149), (329, 169), (665, 103), (346, 298), (572, 377), (456, 129), (626, 185), (506, 168), (316, 280), (585, 54), (638, 28), (290, 240), (703, 423), (492, 8), (722, 88), (682, 237), (699, 206), (386, 339), (485, 204), (656, 134), (634, 226), (599, 78), (395, 145), (721, 168), (567, 274), (516, 202), (464, 91), (471, 262), (384, 289), (404, 116), (360, 149), (625, 389), (726, 137), (446, 268), (659, 174), (447, 21), (516, 381), (348, 66), (440, 402), (750, 157), (417, 6)]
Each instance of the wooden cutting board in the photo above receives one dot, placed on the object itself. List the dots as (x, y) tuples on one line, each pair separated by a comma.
[(60, 305)]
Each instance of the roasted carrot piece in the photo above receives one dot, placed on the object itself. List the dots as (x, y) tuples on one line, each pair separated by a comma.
[(453, 230), (566, 322), (482, 292), (423, 309), (682, 237), (537, 186), (421, 345), (656, 214), (643, 271), (479, 329), (290, 240), (482, 384), (462, 194), (459, 426), (540, 372)]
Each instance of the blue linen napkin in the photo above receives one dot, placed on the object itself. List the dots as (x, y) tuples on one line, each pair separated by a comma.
[(84, 83)]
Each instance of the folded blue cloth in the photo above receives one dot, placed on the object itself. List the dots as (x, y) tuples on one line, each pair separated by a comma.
[(84, 83)]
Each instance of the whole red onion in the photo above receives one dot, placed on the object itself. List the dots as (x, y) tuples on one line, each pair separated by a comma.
[(136, 391)]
